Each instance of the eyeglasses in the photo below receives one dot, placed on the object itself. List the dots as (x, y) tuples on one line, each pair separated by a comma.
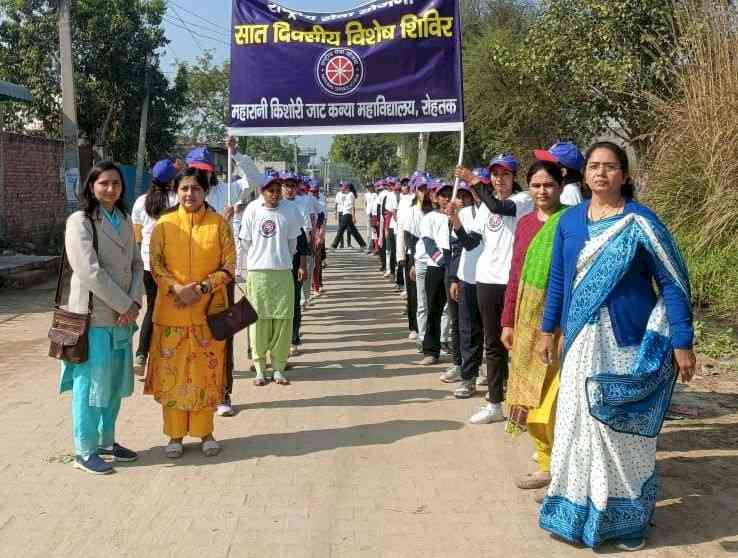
[(609, 167)]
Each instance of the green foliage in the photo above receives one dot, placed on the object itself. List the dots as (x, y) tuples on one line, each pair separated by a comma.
[(372, 156), (206, 107), (605, 59), (715, 341), (112, 40)]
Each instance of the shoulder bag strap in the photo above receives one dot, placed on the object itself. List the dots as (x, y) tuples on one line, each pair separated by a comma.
[(94, 245), (62, 265)]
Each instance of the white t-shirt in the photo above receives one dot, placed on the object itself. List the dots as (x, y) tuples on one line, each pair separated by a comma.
[(468, 260), (498, 233), (572, 194), (434, 225), (370, 203), (413, 227), (268, 232), (403, 211), (344, 202), (217, 198), (308, 210), (140, 217)]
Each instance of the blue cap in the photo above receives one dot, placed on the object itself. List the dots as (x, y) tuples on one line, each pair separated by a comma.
[(482, 173), (288, 176), (200, 158), (164, 171), (268, 178), (565, 153), (506, 161), (463, 186)]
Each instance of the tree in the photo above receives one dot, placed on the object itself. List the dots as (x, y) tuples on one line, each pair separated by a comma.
[(371, 156), (607, 60), (115, 45), (205, 117)]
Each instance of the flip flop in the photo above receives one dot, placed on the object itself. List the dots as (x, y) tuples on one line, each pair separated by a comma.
[(174, 450), (280, 379), (532, 481), (260, 382), (211, 448)]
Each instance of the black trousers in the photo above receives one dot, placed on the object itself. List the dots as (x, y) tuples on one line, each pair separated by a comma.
[(435, 291), (453, 318), (412, 300), (231, 290), (471, 331), (297, 317), (346, 224), (491, 299), (400, 274), (390, 245), (147, 327)]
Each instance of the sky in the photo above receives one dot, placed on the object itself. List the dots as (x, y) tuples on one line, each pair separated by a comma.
[(195, 25)]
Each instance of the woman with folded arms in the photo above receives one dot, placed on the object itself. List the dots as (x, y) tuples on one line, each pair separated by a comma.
[(193, 259)]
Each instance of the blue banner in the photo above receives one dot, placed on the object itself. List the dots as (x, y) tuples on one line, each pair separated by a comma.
[(390, 66)]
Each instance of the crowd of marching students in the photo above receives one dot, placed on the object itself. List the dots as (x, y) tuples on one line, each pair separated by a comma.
[(552, 286)]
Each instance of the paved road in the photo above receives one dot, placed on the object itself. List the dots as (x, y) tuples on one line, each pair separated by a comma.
[(365, 455)]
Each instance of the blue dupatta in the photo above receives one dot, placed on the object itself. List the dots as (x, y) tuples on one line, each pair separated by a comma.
[(636, 402)]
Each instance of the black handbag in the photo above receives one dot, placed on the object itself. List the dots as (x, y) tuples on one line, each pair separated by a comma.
[(69, 330), (233, 319)]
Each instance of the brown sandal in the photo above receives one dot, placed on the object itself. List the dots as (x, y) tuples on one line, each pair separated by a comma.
[(280, 379), (532, 481)]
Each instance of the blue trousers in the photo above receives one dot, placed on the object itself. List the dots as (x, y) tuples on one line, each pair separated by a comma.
[(93, 427)]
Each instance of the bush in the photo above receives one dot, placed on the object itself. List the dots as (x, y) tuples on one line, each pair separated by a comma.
[(693, 162)]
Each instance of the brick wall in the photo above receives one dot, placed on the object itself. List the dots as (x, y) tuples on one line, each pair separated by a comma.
[(32, 199)]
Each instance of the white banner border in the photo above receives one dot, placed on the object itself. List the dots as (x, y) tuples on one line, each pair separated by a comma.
[(352, 129)]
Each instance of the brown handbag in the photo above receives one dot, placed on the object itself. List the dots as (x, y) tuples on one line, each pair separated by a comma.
[(233, 319), (68, 332)]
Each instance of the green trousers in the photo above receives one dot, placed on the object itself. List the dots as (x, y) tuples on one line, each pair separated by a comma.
[(270, 337)]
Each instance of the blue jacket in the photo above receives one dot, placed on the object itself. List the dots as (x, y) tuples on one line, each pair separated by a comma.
[(631, 302)]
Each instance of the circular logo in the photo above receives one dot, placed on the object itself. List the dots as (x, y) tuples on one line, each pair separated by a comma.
[(494, 223), (268, 228), (340, 71)]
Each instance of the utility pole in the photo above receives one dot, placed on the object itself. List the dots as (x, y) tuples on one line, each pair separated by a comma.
[(138, 188), (69, 107), (423, 138)]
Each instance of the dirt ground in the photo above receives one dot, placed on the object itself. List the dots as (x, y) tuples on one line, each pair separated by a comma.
[(367, 454)]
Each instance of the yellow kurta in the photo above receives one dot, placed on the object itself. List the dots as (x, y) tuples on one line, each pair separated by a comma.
[(186, 365)]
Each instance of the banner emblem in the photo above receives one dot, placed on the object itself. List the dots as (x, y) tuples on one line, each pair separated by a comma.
[(340, 71)]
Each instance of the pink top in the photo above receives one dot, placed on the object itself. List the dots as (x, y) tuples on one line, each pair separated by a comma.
[(528, 227)]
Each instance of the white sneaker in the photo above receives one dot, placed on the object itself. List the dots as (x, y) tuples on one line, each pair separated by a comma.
[(451, 375), (413, 335), (387, 274), (491, 412), (224, 410), (481, 380)]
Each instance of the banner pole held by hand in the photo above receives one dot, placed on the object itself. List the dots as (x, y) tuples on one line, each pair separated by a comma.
[(461, 160)]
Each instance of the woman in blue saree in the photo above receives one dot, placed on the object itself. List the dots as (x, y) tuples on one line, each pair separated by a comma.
[(622, 344)]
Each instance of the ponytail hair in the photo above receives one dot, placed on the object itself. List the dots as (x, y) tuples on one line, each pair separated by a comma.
[(157, 198)]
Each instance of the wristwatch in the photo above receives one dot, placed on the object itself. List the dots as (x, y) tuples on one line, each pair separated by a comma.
[(204, 287)]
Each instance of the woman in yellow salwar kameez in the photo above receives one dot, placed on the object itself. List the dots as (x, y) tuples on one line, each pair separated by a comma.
[(192, 260), (532, 386)]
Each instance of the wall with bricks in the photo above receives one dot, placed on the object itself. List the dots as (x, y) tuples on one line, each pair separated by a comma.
[(32, 198)]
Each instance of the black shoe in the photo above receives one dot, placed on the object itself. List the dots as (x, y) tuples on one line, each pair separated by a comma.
[(118, 453)]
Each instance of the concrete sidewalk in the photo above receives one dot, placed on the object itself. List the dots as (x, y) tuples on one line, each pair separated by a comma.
[(365, 455)]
